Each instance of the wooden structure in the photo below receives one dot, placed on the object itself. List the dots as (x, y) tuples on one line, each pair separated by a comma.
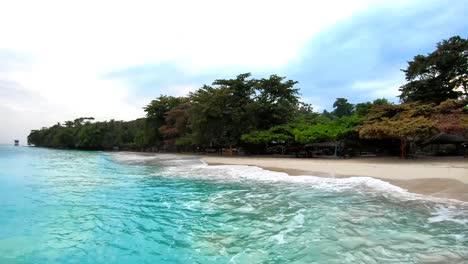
[(333, 148)]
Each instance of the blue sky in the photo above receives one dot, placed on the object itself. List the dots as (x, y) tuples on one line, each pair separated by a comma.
[(56, 66), (359, 58)]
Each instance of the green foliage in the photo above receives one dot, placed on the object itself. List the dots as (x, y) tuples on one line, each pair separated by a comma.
[(363, 109), (275, 102), (217, 117), (411, 122), (156, 116), (221, 113), (328, 115), (407, 121), (326, 130), (83, 134), (441, 75), (214, 116), (342, 107), (314, 127), (248, 111), (282, 133), (64, 138), (184, 141), (308, 128)]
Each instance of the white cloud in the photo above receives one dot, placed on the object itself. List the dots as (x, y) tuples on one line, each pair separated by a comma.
[(181, 90), (381, 88), (314, 101), (70, 45), (197, 34)]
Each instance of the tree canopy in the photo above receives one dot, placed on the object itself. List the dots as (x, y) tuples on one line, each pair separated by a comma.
[(342, 107), (84, 134), (438, 76), (413, 122), (223, 112), (247, 111)]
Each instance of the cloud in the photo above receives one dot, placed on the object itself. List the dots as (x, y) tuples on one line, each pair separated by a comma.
[(313, 102), (33, 95), (196, 35), (61, 55), (379, 88), (61, 60), (360, 58)]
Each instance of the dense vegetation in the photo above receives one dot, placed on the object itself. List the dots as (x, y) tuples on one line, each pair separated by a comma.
[(260, 113)]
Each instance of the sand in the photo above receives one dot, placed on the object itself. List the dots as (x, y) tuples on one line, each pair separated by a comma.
[(437, 177)]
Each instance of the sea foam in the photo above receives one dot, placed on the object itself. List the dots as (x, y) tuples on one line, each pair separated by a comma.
[(192, 167)]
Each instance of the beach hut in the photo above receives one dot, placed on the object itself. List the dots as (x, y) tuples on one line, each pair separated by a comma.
[(324, 149)]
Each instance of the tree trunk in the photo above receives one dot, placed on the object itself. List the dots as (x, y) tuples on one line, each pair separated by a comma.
[(403, 147)]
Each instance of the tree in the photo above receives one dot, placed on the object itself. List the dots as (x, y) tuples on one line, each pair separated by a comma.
[(452, 116), (441, 75), (276, 102), (407, 122), (156, 115), (176, 121), (325, 130), (36, 137), (83, 134), (220, 114), (327, 114), (342, 107), (363, 109), (90, 137), (307, 128), (81, 121), (64, 138), (216, 118), (282, 133)]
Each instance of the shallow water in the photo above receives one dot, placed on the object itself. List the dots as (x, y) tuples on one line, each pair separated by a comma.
[(61, 206)]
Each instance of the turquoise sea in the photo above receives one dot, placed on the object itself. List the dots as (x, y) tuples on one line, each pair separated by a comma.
[(59, 206)]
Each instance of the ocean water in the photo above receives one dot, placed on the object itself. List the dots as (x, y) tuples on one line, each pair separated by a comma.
[(59, 206)]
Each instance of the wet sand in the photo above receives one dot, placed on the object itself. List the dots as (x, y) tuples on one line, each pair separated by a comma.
[(437, 177)]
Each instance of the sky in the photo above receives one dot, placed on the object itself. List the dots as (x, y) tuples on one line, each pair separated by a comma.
[(60, 60)]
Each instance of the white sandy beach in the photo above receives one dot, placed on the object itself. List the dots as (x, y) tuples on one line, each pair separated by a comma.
[(441, 177)]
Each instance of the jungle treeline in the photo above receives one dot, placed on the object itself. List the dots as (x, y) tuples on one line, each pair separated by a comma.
[(259, 113)]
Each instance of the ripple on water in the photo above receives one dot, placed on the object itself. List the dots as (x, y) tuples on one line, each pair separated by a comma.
[(94, 207)]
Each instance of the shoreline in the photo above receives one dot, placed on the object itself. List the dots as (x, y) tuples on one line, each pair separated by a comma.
[(440, 178)]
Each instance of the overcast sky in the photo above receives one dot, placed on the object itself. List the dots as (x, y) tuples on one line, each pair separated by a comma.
[(60, 60)]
